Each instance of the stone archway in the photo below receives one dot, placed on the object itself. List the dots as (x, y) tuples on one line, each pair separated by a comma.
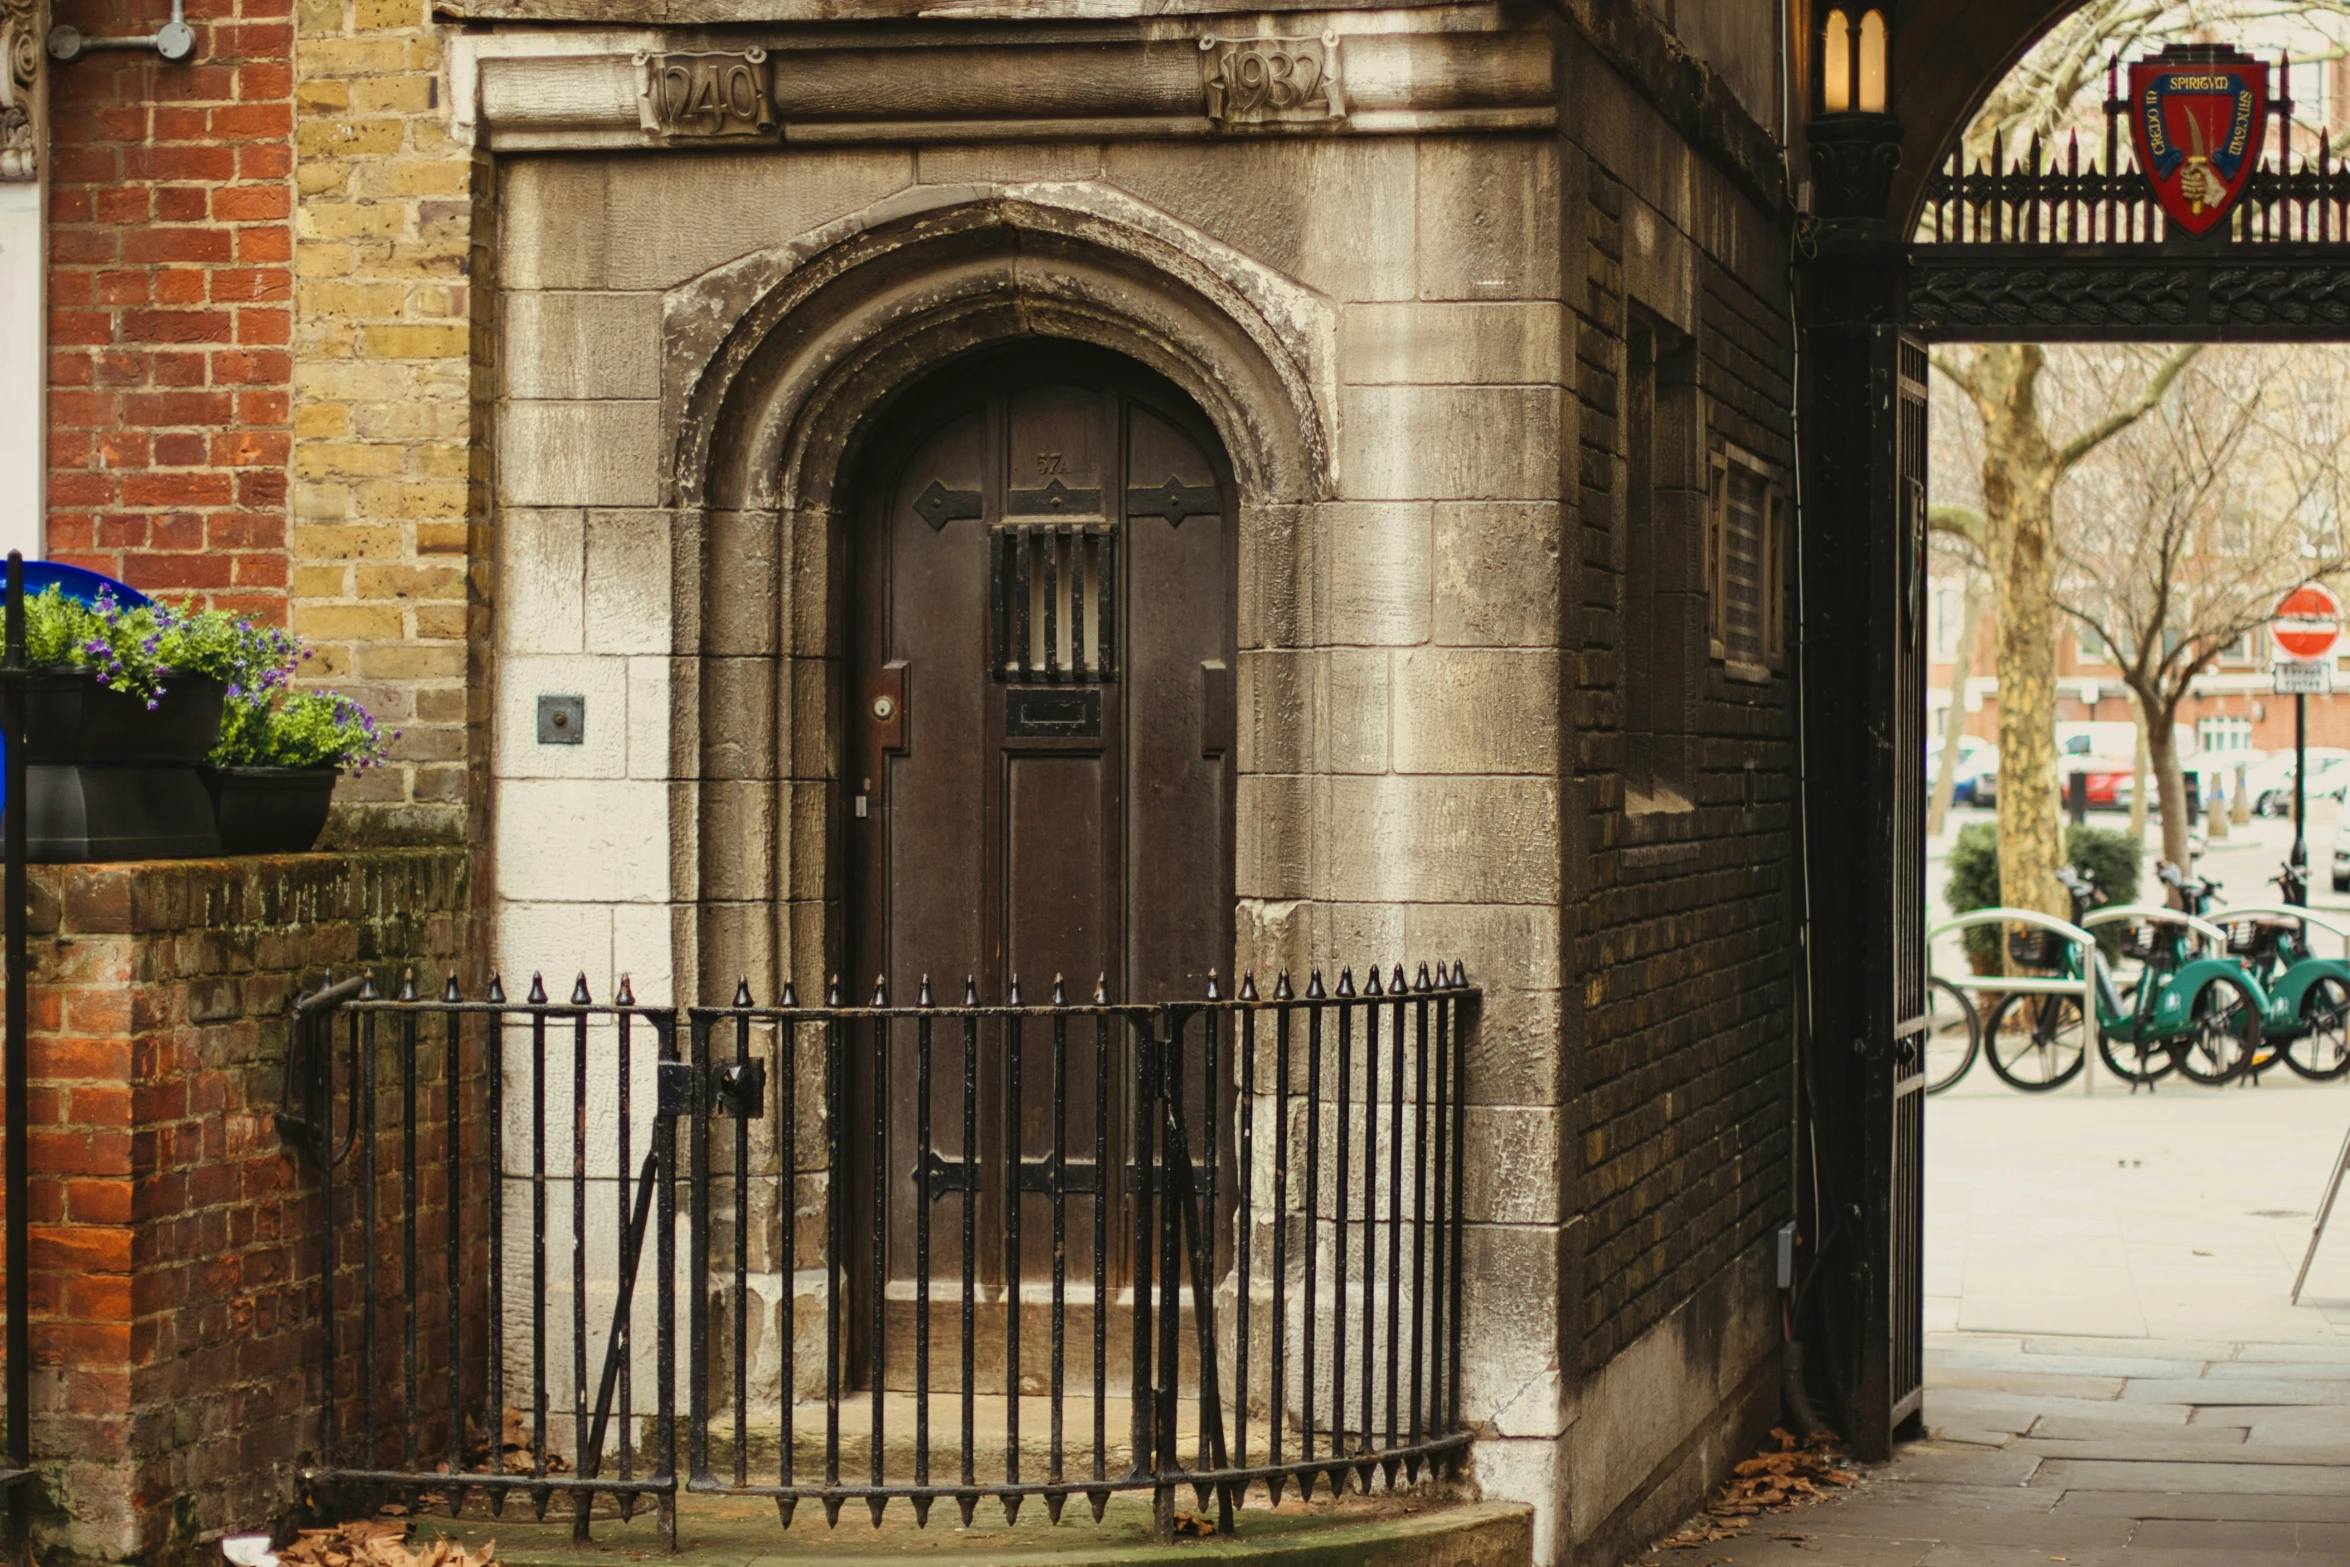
[(777, 368)]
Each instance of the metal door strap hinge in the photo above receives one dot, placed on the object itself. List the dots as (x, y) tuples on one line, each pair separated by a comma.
[(1138, 1179), (1077, 1175), (674, 1088), (937, 1177), (742, 1089)]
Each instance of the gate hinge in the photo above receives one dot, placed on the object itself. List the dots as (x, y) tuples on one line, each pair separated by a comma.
[(937, 1177), (741, 1089), (1152, 1179), (673, 1086)]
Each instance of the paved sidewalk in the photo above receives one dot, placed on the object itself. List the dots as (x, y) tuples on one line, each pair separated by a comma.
[(2113, 1375)]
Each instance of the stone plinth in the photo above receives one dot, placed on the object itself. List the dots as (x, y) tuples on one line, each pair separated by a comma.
[(174, 1235)]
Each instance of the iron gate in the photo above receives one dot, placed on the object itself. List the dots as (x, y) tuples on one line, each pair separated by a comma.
[(1263, 1292)]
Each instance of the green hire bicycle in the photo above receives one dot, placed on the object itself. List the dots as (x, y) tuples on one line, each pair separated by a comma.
[(2200, 1016)]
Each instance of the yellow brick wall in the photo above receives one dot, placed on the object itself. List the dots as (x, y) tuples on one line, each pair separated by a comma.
[(389, 498)]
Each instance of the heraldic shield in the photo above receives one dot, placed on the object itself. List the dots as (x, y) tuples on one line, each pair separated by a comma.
[(2197, 112)]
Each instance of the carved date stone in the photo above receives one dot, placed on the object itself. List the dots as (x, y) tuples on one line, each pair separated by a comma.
[(1271, 81), (705, 94)]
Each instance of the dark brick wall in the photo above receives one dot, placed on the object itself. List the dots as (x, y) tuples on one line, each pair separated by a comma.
[(1683, 929), (175, 1235)]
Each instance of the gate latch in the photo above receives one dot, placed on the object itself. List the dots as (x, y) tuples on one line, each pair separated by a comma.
[(673, 1087), (742, 1089)]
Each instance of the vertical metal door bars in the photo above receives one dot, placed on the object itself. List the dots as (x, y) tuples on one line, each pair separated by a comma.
[(15, 1183), (929, 1251)]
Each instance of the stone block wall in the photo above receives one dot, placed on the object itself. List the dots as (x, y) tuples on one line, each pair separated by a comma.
[(171, 305), (174, 1234)]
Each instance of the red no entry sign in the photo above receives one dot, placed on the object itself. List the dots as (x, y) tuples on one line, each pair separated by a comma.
[(2307, 621)]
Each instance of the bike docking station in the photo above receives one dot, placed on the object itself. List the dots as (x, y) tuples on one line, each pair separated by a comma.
[(2081, 987)]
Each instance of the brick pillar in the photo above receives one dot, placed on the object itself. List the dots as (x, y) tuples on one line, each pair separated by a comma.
[(175, 1249)]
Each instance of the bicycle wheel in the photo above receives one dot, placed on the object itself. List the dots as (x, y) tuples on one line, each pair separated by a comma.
[(1954, 1034), (2036, 1042), (2224, 1035), (2134, 1063), (2323, 1053)]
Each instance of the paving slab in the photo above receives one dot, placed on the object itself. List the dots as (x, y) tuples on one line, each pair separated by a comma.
[(2205, 1504), (2091, 1474), (2243, 1390)]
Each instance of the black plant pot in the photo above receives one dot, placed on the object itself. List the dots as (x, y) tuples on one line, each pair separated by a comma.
[(124, 812), (270, 810), (70, 719)]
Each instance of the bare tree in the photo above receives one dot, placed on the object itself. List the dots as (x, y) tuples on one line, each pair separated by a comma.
[(1958, 547), (2022, 465), (2182, 534)]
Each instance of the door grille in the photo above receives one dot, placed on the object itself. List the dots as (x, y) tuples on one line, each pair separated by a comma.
[(1055, 595)]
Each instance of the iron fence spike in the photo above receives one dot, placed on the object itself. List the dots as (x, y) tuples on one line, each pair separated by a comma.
[(742, 992), (538, 991), (833, 995), (880, 991), (497, 989), (1248, 986), (1060, 992), (1281, 991), (1422, 981), (367, 990), (970, 990), (449, 992), (579, 991), (1012, 997), (1101, 990), (1215, 993), (790, 997), (408, 984), (1314, 990), (1397, 985), (922, 993), (1346, 982), (625, 996), (1371, 982)]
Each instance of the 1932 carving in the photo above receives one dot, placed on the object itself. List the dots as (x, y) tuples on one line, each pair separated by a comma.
[(1271, 81), (705, 94)]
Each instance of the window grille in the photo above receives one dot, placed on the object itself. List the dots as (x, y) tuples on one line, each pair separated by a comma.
[(1746, 540), (1055, 602)]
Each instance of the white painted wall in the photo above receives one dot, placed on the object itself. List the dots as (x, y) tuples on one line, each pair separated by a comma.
[(23, 407)]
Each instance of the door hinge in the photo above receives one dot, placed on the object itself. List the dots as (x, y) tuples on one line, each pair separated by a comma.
[(1076, 1175), (937, 1177)]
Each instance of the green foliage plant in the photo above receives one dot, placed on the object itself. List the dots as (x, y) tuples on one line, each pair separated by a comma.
[(136, 649), (305, 729), (2111, 858)]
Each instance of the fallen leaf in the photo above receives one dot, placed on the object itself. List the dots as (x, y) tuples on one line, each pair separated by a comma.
[(1194, 1525)]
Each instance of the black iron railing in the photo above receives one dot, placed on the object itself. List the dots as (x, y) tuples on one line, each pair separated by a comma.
[(959, 1252), (16, 1461)]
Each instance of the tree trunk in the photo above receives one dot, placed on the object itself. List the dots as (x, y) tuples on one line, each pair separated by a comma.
[(2162, 748), (2138, 778), (2020, 471), (1962, 668), (2240, 803)]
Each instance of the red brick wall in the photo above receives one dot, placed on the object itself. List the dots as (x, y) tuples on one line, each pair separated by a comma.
[(170, 304), (175, 1236)]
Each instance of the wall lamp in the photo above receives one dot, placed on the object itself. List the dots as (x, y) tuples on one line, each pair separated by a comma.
[(1854, 144), (1852, 63)]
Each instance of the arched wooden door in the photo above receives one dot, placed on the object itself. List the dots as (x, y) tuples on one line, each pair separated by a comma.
[(1039, 758)]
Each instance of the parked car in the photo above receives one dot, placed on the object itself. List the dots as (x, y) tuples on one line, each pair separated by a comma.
[(2270, 781), (1974, 756), (2342, 856), (2215, 781)]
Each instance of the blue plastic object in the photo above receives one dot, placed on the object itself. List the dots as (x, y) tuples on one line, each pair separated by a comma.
[(78, 584)]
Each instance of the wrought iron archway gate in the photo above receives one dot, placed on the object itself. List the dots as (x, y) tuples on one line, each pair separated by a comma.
[(518, 1193), (2038, 244)]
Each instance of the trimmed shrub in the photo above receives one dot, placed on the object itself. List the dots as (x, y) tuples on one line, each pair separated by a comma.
[(2111, 857)]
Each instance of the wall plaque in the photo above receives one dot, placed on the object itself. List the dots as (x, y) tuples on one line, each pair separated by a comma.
[(705, 94), (1271, 81)]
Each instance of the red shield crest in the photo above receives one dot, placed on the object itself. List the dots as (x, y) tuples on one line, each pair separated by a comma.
[(2197, 113)]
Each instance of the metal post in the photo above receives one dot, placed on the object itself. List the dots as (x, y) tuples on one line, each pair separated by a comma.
[(2325, 1211), (19, 1252), (2300, 789)]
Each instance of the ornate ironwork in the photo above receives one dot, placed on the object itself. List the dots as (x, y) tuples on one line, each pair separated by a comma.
[(2061, 242)]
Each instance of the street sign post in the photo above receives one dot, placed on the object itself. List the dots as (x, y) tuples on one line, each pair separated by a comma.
[(2304, 628)]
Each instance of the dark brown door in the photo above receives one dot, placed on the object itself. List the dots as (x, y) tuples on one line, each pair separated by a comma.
[(1039, 787)]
